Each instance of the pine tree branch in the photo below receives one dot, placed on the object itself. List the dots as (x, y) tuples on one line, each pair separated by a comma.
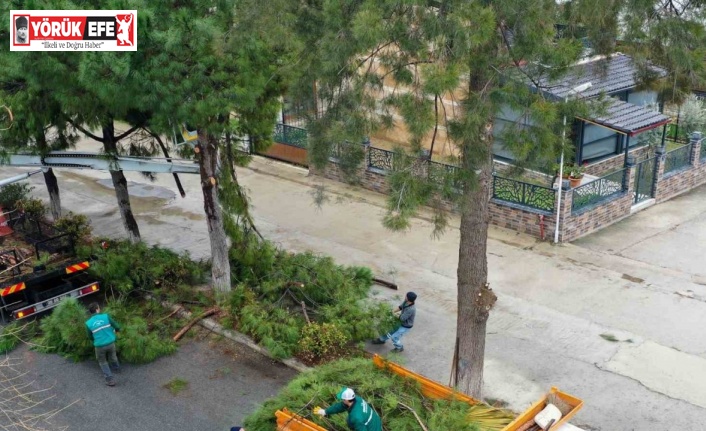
[(128, 132), (84, 131)]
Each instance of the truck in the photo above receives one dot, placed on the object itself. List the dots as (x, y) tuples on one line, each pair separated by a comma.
[(38, 268), (41, 291)]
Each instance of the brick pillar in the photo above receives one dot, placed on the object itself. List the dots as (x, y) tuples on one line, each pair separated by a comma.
[(696, 155), (630, 171), (565, 227), (660, 157), (366, 153)]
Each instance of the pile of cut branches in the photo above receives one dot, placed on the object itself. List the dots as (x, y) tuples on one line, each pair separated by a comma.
[(399, 401)]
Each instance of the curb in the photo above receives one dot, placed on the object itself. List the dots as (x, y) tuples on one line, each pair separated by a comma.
[(236, 336)]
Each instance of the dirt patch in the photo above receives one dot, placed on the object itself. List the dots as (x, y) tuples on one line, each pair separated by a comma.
[(633, 279)]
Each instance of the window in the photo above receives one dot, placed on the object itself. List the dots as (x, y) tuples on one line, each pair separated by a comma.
[(506, 121), (598, 142), (643, 98)]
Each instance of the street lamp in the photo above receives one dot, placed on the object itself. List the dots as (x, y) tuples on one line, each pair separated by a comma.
[(576, 90)]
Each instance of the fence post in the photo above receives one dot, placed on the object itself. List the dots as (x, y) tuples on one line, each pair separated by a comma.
[(660, 157), (695, 150), (565, 212), (629, 176), (696, 155)]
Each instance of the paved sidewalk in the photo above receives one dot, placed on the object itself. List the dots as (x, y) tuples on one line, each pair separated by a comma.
[(607, 328)]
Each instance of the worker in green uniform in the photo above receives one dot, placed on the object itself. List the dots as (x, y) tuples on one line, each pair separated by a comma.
[(361, 415)]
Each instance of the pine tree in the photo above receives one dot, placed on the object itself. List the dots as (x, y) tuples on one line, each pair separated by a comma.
[(377, 60), (92, 90), (214, 76), (39, 127)]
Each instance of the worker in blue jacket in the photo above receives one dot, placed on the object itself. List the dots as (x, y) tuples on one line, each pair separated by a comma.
[(101, 328), (405, 313)]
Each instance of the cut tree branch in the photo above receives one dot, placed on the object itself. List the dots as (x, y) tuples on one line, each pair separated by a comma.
[(194, 321)]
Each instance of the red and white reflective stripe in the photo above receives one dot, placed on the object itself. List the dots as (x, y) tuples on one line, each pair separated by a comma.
[(78, 267), (12, 289)]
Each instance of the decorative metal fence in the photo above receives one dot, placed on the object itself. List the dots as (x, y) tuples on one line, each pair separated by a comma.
[(290, 135), (525, 194), (441, 172), (380, 159), (600, 190), (677, 159)]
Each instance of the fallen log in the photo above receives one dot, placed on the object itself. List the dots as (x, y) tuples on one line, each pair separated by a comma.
[(385, 283), (194, 321)]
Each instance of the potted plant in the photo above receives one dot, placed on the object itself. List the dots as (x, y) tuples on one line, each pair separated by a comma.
[(575, 175), (564, 171)]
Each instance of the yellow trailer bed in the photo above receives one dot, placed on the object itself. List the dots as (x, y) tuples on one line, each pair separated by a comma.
[(289, 421)]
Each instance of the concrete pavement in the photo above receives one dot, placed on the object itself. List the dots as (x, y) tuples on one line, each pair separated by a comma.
[(605, 326), (224, 382)]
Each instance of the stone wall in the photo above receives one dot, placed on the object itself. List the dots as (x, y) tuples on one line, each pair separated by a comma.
[(592, 219), (503, 214), (612, 164), (572, 225), (524, 220), (672, 184)]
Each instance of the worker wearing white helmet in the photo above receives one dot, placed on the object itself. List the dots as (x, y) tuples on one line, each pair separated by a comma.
[(361, 415)]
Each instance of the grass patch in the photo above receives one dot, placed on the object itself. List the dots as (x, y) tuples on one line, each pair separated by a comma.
[(609, 337), (176, 386)]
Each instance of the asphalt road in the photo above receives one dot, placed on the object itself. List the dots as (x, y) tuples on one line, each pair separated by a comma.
[(225, 383)]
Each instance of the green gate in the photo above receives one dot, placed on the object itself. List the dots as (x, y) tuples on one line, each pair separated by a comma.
[(644, 180)]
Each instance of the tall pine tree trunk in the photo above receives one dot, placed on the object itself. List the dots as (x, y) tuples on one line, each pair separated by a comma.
[(54, 197), (208, 163), (120, 186), (49, 177), (474, 297)]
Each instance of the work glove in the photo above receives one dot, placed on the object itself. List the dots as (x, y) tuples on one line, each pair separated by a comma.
[(319, 411)]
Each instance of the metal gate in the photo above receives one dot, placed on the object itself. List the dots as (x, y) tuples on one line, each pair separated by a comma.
[(644, 180)]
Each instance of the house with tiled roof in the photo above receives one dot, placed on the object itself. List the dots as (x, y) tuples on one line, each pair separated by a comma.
[(620, 126)]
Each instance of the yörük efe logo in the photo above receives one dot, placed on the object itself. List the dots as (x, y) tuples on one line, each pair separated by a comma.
[(73, 30)]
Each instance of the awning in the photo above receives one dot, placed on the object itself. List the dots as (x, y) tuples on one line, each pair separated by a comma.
[(629, 119)]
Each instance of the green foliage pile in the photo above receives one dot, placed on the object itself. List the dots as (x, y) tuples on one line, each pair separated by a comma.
[(321, 342), (34, 208), (11, 194), (128, 267), (76, 225), (139, 341), (272, 285), (64, 332), (384, 391), (9, 337)]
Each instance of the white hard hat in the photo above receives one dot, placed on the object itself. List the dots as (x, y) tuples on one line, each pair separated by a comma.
[(345, 394)]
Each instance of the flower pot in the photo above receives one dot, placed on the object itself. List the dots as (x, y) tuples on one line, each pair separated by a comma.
[(575, 182)]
